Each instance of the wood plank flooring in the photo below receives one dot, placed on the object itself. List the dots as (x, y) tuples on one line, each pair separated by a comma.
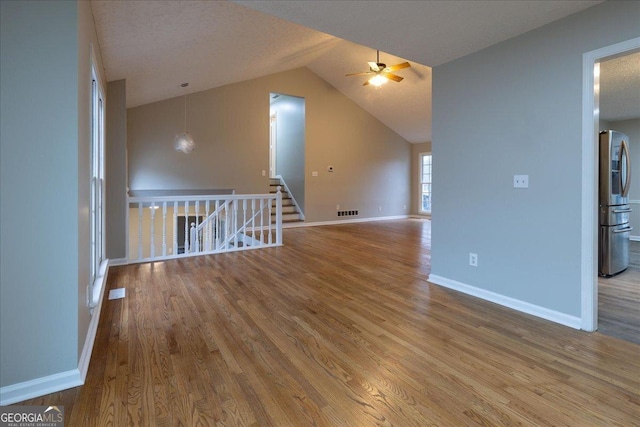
[(619, 300), (339, 327)]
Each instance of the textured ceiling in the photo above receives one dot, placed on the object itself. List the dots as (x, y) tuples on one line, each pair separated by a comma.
[(157, 45), (620, 88)]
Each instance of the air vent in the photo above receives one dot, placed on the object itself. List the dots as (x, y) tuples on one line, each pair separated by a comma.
[(347, 213)]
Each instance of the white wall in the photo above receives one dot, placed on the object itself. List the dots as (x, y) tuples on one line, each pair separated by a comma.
[(515, 108)]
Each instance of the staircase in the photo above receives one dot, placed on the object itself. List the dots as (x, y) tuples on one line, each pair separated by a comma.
[(290, 212)]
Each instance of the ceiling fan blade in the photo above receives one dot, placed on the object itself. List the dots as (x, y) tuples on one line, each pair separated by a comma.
[(393, 77), (398, 67), (359, 74), (373, 66)]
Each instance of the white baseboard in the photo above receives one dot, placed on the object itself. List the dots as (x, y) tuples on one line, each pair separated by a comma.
[(118, 261), (40, 386), (63, 380), (342, 221), (522, 306)]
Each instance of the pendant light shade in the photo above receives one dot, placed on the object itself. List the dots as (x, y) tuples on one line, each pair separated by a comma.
[(184, 142)]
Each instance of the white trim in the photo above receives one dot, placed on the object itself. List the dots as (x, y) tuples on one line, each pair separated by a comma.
[(40, 386), (424, 153), (588, 274), (515, 304), (85, 356), (118, 261), (634, 238), (342, 221), (63, 380)]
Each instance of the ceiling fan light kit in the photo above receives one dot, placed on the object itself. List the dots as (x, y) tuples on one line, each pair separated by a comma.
[(381, 73), (185, 142)]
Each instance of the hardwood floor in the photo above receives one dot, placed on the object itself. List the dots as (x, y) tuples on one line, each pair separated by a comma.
[(619, 300), (339, 327)]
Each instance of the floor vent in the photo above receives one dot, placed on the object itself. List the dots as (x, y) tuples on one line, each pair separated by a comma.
[(116, 293), (347, 213)]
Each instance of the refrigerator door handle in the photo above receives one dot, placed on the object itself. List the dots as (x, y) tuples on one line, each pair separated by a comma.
[(622, 211), (623, 230), (627, 182)]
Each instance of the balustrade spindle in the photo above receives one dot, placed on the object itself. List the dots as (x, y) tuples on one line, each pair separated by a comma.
[(175, 228), (186, 227), (269, 211), (140, 212), (253, 220), (164, 228), (152, 240), (244, 220), (278, 217), (195, 240), (207, 230), (235, 225)]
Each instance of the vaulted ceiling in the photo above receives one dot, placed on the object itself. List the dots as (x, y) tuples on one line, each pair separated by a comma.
[(157, 45)]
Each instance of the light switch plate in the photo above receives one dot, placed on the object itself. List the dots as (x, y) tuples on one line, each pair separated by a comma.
[(520, 181)]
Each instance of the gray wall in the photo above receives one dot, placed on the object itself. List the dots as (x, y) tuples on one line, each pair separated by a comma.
[(631, 128), (290, 145), (116, 172), (516, 108), (416, 195), (41, 218), (230, 125)]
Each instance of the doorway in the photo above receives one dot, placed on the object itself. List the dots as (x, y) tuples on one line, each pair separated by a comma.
[(287, 144), (590, 130)]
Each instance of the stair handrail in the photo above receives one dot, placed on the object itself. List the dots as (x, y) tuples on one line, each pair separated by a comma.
[(238, 230), (293, 199)]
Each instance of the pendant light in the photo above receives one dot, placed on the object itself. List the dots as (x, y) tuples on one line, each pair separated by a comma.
[(184, 142)]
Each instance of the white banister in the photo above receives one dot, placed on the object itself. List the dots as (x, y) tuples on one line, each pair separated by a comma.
[(278, 217), (140, 212), (222, 223), (152, 242), (164, 228)]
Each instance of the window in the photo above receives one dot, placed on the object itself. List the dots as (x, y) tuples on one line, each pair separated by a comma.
[(425, 182), (96, 204)]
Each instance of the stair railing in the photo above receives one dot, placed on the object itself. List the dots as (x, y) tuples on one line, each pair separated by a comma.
[(212, 224), (293, 199)]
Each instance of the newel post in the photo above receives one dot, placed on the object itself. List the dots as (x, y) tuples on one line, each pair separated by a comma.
[(279, 216), (192, 232)]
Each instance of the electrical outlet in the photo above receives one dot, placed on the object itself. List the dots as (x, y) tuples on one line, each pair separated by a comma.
[(473, 259), (379, 208), (337, 207), (520, 181), (314, 173)]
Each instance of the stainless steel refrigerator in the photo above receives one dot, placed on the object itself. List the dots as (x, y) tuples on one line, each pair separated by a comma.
[(614, 182)]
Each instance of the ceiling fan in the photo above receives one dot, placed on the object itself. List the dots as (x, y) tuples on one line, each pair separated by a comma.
[(381, 73)]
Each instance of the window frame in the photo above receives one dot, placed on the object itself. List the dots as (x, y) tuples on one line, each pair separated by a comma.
[(421, 182)]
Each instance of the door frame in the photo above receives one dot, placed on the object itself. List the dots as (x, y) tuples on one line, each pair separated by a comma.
[(273, 143), (590, 128)]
